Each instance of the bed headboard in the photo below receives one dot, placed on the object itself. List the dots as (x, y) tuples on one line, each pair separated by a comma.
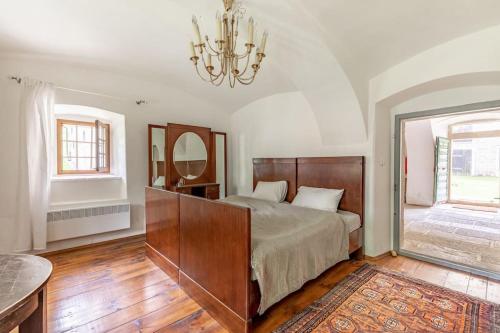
[(327, 172), (336, 172), (276, 169)]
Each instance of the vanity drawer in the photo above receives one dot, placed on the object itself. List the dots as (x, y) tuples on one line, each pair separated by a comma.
[(183, 190), (213, 192)]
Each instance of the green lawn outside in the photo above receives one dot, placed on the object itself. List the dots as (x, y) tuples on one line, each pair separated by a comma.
[(475, 188)]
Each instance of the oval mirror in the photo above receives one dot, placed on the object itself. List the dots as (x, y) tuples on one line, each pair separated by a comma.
[(190, 156)]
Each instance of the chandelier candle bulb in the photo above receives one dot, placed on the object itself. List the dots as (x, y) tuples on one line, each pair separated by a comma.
[(219, 27), (250, 31), (196, 29), (192, 50), (263, 42), (209, 60)]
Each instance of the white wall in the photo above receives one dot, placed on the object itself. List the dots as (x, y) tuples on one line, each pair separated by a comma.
[(83, 191), (461, 71), (169, 105), (278, 126), (420, 157)]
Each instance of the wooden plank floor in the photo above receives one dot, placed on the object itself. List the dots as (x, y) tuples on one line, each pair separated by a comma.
[(115, 288)]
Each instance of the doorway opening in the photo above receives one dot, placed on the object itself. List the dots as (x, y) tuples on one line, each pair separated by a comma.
[(448, 198)]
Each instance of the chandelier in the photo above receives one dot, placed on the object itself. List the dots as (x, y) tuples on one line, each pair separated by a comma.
[(229, 63)]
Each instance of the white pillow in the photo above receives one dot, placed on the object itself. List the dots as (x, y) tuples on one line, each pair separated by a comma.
[(272, 191), (318, 198)]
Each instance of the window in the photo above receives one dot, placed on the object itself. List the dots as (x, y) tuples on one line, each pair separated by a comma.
[(82, 147), (477, 126), (474, 166)]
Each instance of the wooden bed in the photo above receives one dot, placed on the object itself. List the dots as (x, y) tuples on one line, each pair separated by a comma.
[(206, 245)]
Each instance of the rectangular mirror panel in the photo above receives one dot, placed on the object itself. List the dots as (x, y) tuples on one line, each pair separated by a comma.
[(157, 135), (220, 157)]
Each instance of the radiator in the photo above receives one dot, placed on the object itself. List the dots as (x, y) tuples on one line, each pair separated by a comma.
[(77, 222)]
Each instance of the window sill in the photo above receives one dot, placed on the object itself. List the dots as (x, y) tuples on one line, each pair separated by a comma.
[(67, 178)]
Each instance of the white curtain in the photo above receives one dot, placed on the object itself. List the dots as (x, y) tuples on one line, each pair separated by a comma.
[(35, 165)]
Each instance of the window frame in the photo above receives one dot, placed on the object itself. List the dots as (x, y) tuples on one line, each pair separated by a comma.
[(95, 124)]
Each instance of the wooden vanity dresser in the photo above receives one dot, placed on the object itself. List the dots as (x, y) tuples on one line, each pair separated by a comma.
[(188, 159)]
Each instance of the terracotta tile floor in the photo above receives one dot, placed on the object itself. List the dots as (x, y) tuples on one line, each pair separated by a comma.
[(462, 236)]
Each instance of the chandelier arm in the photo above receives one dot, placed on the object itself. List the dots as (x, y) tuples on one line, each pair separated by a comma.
[(234, 64), (219, 83), (248, 78), (223, 60), (210, 48), (232, 80), (232, 38), (201, 76), (246, 67), (247, 82), (227, 65), (243, 55), (212, 76), (210, 80), (222, 64), (235, 36), (216, 76)]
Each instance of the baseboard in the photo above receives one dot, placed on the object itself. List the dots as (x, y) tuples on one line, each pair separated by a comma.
[(220, 312), (141, 236), (383, 255), (161, 261)]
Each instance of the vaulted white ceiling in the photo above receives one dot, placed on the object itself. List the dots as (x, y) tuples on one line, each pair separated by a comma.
[(313, 43)]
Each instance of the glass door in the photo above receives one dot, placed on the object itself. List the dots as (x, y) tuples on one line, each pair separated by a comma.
[(447, 193)]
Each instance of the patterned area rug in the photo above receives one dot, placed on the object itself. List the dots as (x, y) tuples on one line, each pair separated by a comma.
[(374, 299)]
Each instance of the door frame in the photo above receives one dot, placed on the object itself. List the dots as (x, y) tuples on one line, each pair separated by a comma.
[(397, 220), (436, 169)]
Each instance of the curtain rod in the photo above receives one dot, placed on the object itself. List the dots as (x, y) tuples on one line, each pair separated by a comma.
[(138, 102)]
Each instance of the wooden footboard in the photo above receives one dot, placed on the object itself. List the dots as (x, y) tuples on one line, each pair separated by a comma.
[(215, 247), (206, 247), (162, 230)]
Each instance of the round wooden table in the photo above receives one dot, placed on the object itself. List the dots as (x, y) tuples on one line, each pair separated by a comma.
[(23, 293)]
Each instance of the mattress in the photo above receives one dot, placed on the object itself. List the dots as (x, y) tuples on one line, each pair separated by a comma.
[(352, 220)]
